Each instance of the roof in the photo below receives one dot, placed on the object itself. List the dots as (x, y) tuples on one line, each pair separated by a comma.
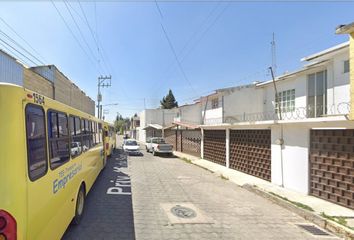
[(287, 75), (345, 29), (183, 124), (326, 51), (155, 126)]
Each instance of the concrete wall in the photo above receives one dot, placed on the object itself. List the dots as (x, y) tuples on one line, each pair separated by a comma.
[(37, 83), (163, 117), (191, 113), (290, 162), (246, 99)]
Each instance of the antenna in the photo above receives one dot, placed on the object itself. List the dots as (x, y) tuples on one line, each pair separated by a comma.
[(274, 55)]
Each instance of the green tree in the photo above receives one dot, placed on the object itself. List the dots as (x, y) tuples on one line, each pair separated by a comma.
[(121, 124), (169, 101)]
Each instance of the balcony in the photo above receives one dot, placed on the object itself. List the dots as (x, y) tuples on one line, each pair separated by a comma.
[(300, 113)]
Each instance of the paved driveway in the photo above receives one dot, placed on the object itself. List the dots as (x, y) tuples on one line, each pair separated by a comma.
[(209, 207)]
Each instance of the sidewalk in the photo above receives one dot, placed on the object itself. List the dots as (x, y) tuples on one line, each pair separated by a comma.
[(318, 205)]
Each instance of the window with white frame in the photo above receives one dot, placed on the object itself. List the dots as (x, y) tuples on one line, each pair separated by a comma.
[(286, 101), (346, 66), (214, 103)]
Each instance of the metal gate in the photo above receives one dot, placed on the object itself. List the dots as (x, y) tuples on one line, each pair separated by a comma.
[(184, 140), (190, 142), (214, 146), (332, 166), (250, 152)]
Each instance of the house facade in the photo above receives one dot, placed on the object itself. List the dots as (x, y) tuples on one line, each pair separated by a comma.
[(152, 122), (298, 137)]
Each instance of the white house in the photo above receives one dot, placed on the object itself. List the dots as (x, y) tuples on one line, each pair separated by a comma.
[(301, 139), (152, 121)]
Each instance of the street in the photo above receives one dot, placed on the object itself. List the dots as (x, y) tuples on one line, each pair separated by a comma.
[(163, 188)]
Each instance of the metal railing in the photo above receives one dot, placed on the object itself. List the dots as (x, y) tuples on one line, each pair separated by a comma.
[(340, 109)]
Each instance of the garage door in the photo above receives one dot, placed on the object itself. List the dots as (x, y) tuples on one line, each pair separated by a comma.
[(250, 152), (214, 146), (191, 142), (332, 166)]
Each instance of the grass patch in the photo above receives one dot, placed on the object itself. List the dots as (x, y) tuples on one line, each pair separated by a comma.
[(223, 177), (186, 160), (340, 220), (298, 204)]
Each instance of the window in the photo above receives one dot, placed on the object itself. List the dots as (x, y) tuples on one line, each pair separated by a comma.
[(100, 132), (36, 142), (286, 101), (317, 94), (75, 133), (58, 138), (214, 103), (87, 140), (93, 134), (346, 66)]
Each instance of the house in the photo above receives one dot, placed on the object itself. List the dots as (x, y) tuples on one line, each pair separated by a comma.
[(298, 137), (152, 122)]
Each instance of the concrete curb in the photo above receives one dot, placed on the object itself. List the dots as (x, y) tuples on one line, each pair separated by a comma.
[(324, 223)]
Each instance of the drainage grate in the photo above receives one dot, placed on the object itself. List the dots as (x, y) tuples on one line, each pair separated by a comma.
[(313, 230), (183, 212)]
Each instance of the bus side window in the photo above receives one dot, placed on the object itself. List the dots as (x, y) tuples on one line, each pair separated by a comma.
[(100, 132), (36, 142), (75, 130), (58, 138)]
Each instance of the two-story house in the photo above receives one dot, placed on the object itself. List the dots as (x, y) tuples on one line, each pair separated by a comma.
[(298, 137)]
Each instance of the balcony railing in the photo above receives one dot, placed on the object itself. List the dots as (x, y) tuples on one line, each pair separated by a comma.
[(340, 109)]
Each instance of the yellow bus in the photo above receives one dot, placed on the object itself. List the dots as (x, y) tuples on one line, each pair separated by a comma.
[(110, 138), (50, 156)]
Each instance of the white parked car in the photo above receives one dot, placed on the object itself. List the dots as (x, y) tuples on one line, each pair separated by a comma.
[(157, 145), (75, 148), (131, 147)]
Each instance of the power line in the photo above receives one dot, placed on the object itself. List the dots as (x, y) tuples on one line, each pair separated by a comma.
[(16, 43), (203, 33), (176, 58), (72, 33), (158, 8), (4, 42), (80, 32), (24, 40)]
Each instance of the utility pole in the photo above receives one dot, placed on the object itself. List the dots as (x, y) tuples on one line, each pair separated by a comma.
[(101, 83), (276, 93)]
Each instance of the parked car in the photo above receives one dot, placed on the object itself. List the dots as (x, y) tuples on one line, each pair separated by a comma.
[(125, 138), (131, 147), (75, 148), (158, 145)]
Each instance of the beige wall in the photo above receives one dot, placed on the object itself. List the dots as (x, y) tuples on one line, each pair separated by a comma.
[(61, 89), (37, 83)]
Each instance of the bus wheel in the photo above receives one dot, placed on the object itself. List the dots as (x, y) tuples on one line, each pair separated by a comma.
[(80, 203)]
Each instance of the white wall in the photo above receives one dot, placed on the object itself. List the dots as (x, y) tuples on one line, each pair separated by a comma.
[(210, 115), (163, 117), (290, 166), (242, 100), (191, 113), (338, 94)]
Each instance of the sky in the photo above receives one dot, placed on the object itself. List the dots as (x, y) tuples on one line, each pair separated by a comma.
[(150, 47)]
